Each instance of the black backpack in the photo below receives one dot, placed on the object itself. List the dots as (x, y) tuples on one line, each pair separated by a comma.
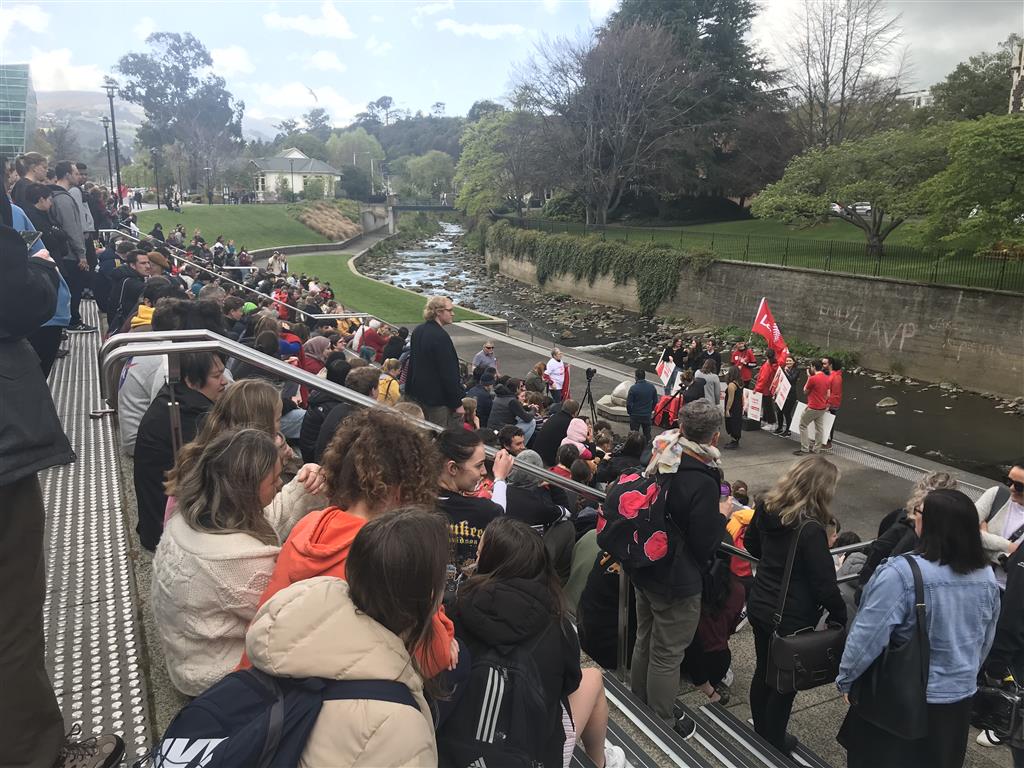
[(501, 718), (632, 524), (255, 720)]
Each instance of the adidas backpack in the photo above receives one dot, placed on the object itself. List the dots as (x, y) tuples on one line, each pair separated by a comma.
[(500, 720), (255, 720), (631, 523)]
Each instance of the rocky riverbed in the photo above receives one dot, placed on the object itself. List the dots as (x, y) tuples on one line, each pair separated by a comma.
[(979, 433)]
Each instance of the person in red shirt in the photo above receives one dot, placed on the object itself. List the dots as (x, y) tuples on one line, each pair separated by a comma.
[(744, 359), (834, 369), (817, 389), (765, 377)]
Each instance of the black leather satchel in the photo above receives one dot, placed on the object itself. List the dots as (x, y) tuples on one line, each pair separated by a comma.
[(892, 692), (805, 659)]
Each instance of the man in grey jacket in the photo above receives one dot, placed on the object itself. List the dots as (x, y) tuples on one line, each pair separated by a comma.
[(67, 214)]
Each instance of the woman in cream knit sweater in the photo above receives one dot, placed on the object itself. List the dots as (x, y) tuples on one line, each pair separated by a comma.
[(218, 551)]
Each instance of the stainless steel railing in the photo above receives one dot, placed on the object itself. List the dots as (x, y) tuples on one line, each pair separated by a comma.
[(124, 346)]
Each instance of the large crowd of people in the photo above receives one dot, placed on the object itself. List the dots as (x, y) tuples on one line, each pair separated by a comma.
[(304, 534)]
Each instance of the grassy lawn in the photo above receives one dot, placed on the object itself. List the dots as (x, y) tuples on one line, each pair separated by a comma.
[(834, 246), (365, 295), (252, 226)]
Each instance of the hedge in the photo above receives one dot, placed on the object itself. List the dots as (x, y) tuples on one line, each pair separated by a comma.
[(655, 268)]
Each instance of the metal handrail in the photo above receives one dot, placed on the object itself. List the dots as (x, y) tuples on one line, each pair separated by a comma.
[(188, 259), (143, 344)]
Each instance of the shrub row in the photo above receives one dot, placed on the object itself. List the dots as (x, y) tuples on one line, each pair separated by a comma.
[(654, 268)]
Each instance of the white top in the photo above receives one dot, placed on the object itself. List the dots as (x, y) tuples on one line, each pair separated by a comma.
[(556, 372), (206, 587)]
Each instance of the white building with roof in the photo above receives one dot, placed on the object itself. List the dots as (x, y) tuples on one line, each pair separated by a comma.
[(296, 168)]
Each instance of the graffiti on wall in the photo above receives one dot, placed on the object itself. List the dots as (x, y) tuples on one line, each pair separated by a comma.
[(853, 321)]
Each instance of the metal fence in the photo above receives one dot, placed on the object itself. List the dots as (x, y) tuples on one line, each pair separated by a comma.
[(993, 270)]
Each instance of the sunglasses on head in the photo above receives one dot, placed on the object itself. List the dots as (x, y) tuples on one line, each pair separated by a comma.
[(1016, 485)]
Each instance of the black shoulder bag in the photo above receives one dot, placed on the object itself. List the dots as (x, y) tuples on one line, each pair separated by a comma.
[(805, 659), (892, 692)]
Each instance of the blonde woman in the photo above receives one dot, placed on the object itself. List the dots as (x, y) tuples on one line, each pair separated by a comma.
[(217, 554), (388, 391), (803, 494)]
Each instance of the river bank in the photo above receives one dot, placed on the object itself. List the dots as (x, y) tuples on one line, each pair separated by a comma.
[(977, 433)]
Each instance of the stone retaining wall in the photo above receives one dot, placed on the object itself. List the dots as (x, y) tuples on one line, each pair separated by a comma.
[(971, 337)]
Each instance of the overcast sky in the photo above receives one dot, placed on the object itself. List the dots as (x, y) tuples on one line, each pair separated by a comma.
[(285, 57)]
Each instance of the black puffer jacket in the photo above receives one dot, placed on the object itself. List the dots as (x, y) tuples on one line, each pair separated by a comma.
[(31, 436), (506, 614), (813, 586)]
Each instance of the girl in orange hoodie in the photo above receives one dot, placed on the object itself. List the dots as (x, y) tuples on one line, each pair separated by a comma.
[(374, 463)]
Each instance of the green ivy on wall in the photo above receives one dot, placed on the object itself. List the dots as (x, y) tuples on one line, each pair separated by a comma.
[(655, 268)]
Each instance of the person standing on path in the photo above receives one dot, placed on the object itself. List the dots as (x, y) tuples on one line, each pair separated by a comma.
[(834, 369), (676, 354), (744, 359), (734, 406), (554, 371), (792, 374), (485, 357), (434, 379), (816, 388), (763, 385), (640, 402), (66, 212)]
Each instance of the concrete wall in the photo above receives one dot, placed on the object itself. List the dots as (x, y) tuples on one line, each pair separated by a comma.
[(373, 217), (973, 338)]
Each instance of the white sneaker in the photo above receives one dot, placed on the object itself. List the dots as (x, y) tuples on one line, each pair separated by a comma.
[(988, 739), (614, 757)]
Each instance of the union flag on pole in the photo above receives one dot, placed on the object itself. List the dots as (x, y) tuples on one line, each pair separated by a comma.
[(765, 325)]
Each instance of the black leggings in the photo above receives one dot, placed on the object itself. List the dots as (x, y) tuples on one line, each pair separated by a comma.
[(769, 708)]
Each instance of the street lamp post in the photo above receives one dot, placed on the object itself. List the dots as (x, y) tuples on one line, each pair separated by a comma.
[(209, 189), (106, 132), (156, 173), (291, 164), (111, 88)]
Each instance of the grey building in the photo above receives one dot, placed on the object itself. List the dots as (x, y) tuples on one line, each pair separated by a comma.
[(17, 109)]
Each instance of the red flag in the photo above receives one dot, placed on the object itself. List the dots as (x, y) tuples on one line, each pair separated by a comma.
[(765, 325)]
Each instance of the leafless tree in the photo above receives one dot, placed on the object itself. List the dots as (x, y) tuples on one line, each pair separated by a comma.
[(845, 69), (612, 108)]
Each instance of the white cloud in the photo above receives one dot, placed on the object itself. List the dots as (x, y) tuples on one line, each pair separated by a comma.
[(233, 60), (31, 17), (601, 9), (325, 61), (377, 47), (144, 27), (53, 71), (291, 99), (431, 9), (486, 31), (330, 23), (550, 6)]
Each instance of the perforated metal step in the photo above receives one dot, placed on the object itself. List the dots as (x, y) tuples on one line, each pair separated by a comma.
[(93, 647)]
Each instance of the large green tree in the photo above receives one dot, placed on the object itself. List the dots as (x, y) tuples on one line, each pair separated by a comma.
[(431, 174), (978, 86), (184, 102), (318, 123), (501, 162), (978, 199), (884, 171)]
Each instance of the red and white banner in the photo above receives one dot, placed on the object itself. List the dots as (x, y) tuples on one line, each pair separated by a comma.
[(782, 390), (664, 370), (765, 325)]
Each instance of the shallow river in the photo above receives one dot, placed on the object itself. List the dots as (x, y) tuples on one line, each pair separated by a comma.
[(957, 428)]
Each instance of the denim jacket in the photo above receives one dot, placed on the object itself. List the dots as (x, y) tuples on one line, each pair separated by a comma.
[(961, 610)]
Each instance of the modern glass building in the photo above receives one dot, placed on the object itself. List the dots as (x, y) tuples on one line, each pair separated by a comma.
[(17, 109)]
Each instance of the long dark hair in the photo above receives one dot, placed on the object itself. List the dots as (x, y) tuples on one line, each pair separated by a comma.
[(510, 549), (396, 572), (949, 531)]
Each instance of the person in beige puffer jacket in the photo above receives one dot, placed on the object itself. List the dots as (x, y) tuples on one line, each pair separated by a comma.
[(323, 627)]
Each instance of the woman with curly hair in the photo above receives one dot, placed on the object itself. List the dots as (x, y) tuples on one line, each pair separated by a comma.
[(374, 463)]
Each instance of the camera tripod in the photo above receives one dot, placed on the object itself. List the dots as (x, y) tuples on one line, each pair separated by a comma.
[(588, 397)]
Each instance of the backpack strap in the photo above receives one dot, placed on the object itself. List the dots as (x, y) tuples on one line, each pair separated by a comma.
[(922, 623), (998, 502), (787, 575), (275, 723), (370, 690)]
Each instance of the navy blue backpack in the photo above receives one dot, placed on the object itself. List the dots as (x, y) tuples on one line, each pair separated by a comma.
[(253, 719)]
